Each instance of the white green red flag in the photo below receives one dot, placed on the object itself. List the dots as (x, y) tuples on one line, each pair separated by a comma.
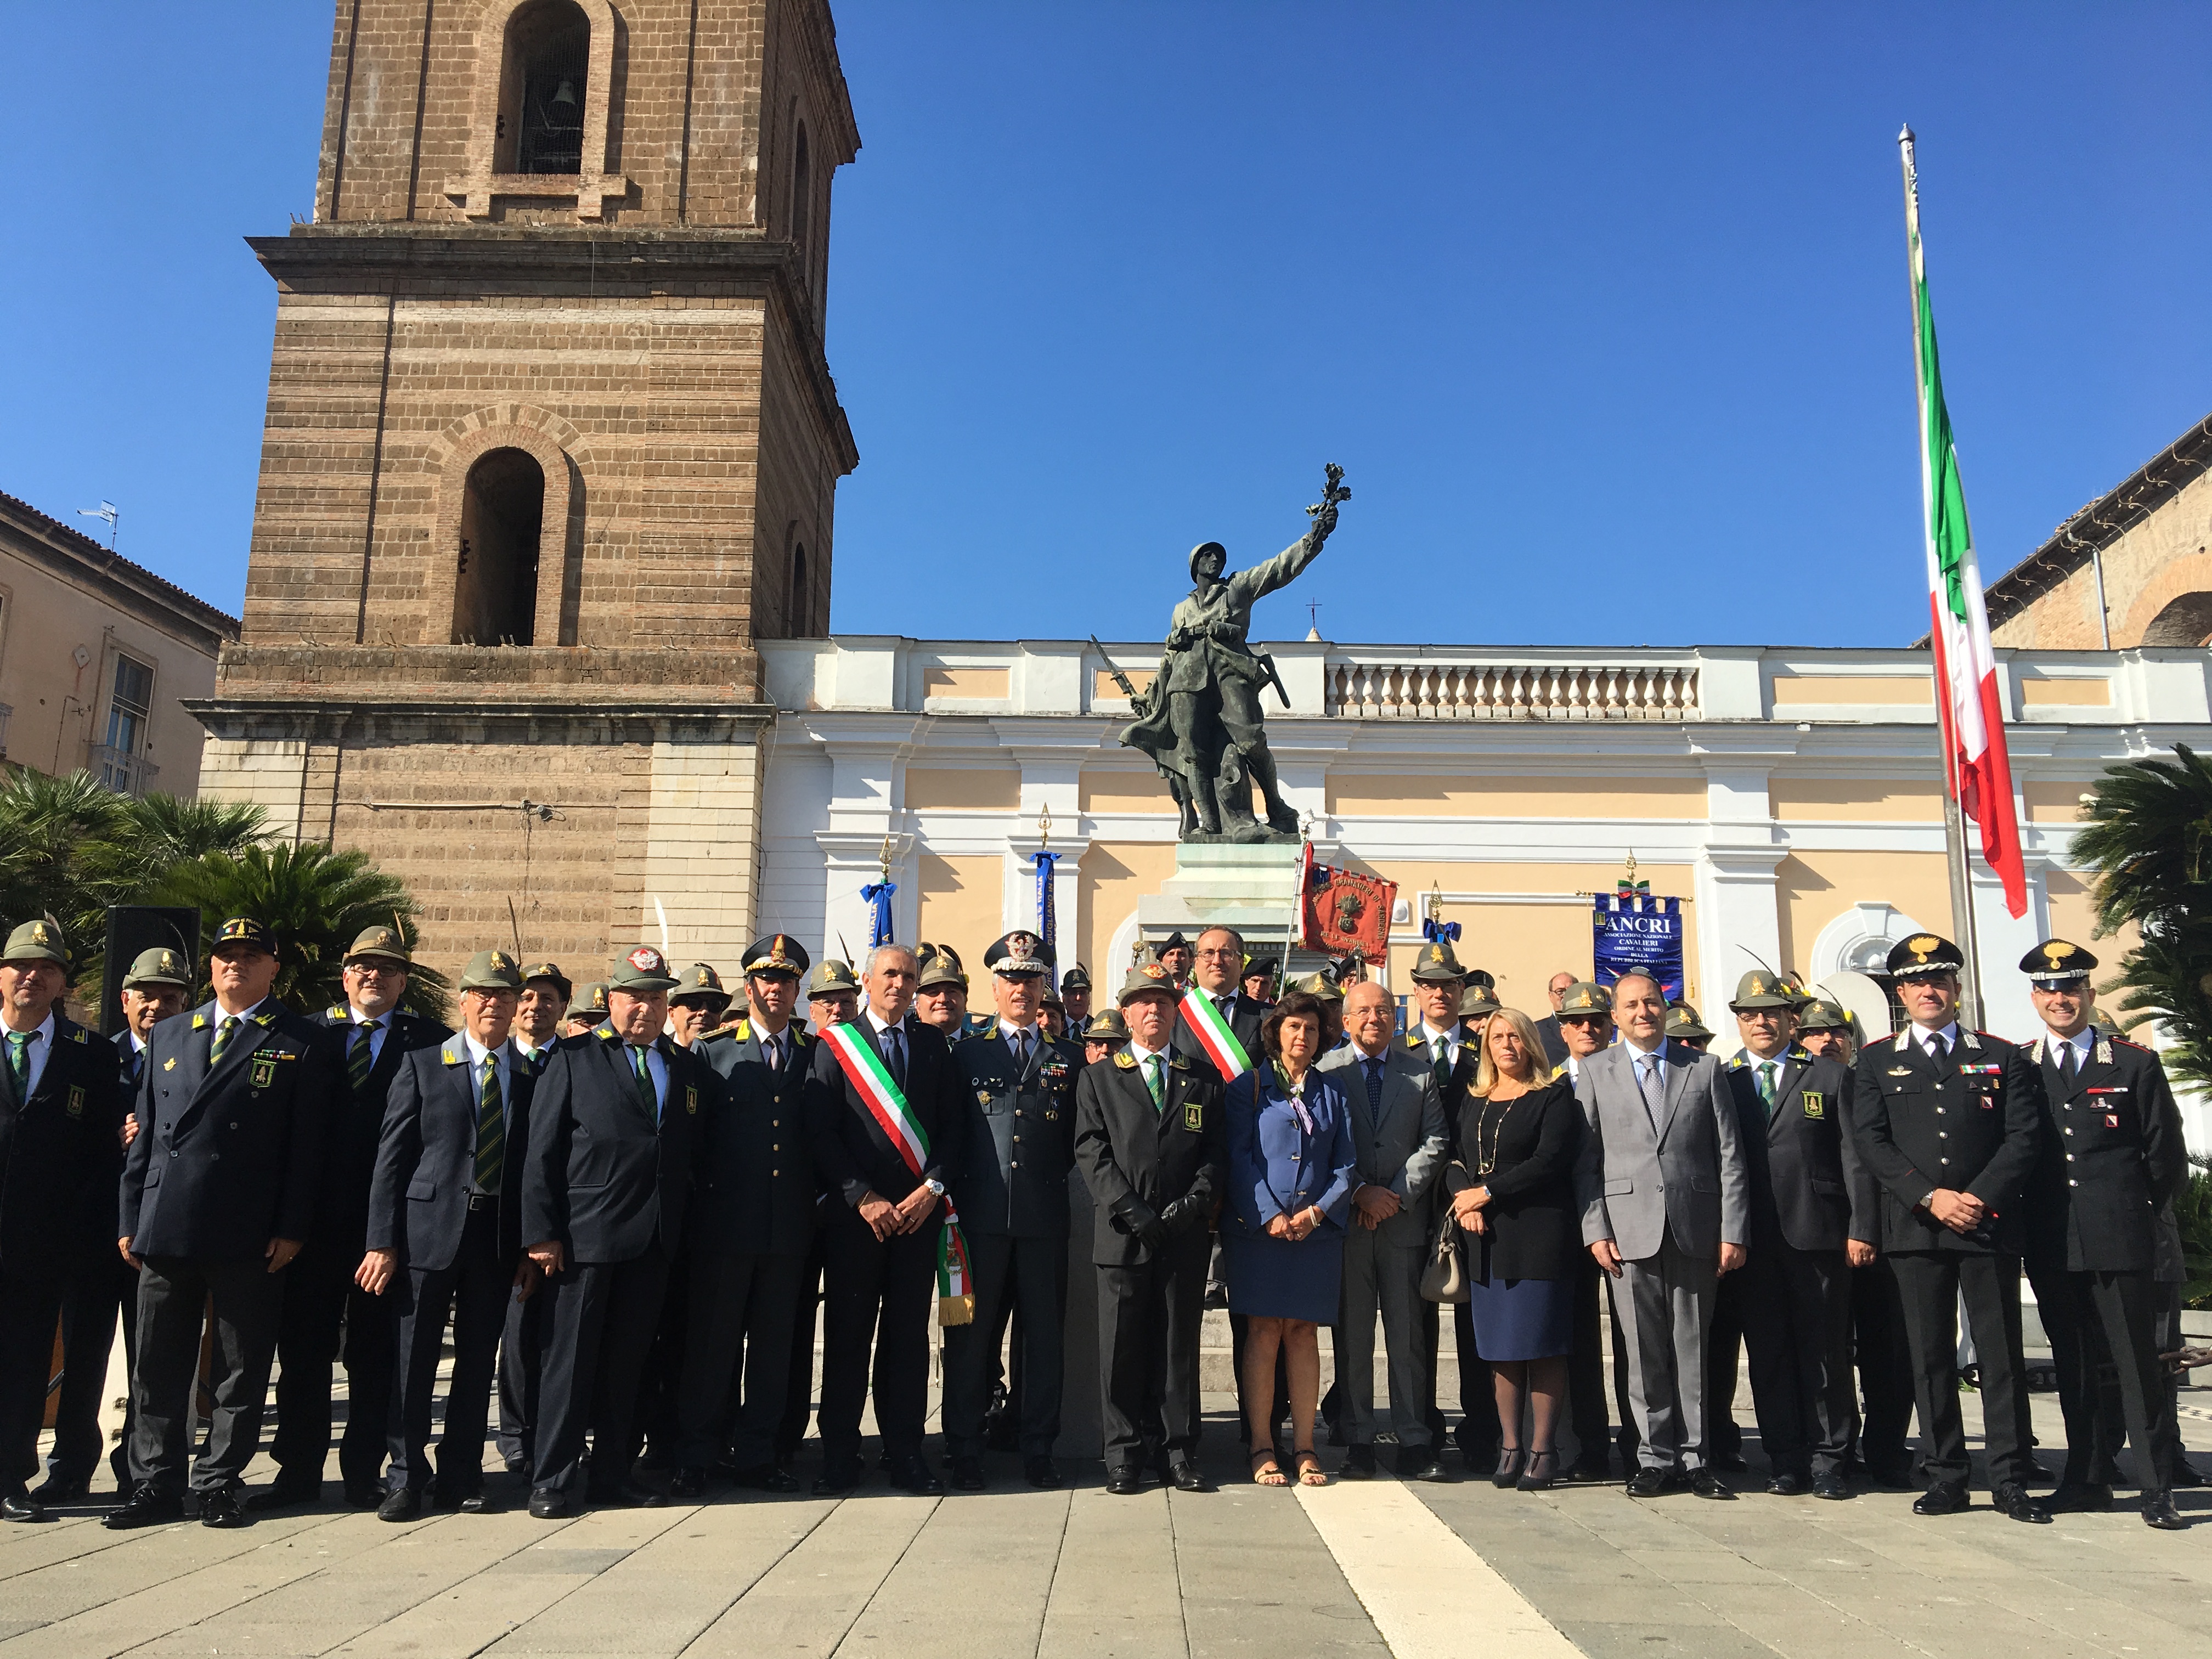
[(1977, 769), (864, 1069), (1214, 1036)]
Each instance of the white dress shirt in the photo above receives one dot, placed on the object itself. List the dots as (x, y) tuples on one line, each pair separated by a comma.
[(1922, 1036), (1429, 1034), (36, 1053), (356, 1020)]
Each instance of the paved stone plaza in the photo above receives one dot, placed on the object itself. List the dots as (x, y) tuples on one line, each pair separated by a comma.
[(1379, 1568)]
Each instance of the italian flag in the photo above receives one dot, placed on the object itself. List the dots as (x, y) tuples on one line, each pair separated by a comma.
[(1977, 771), (1214, 1036)]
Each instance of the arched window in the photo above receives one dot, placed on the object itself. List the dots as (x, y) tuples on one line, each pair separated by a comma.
[(797, 610), (496, 581), (802, 200), (544, 81), (2186, 620)]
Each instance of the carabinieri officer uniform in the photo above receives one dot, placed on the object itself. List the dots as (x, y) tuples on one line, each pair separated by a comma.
[(1947, 1114), (1010, 1191)]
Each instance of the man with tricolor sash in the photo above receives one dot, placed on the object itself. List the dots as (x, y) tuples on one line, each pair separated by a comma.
[(883, 1124), (1216, 1023)]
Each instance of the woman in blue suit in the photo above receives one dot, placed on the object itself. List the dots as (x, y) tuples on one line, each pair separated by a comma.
[(1290, 1169)]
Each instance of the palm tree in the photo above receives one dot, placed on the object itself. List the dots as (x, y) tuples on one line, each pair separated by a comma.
[(316, 901), (50, 830)]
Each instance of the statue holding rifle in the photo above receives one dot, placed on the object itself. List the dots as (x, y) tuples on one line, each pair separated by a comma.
[(1200, 720)]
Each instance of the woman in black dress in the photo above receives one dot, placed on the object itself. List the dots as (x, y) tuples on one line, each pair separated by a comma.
[(1519, 1133)]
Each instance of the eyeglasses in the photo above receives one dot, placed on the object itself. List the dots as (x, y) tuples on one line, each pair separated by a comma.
[(1220, 955)]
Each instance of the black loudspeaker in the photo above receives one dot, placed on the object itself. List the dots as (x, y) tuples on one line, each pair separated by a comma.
[(132, 928)]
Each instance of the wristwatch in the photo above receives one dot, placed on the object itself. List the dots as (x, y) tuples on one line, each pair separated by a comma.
[(935, 1186)]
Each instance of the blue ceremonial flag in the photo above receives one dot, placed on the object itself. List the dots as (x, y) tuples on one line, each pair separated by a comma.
[(878, 896), (1048, 923), (1636, 932)]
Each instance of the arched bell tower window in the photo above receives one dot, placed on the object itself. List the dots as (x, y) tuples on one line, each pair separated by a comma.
[(546, 80), (796, 608), (802, 199), (495, 576)]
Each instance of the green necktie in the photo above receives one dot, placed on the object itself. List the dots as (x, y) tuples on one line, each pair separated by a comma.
[(224, 1033), (363, 1055), (1443, 1065), (1766, 1070), (645, 1083), (19, 1062), (491, 1130), (1153, 1082)]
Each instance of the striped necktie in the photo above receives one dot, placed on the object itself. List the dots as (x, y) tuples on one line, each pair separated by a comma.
[(224, 1033), (491, 1130), (362, 1055), (1766, 1070), (1153, 1082), (19, 1063), (645, 1083)]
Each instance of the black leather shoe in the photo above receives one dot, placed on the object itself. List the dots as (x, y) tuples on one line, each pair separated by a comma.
[(20, 1506), (1944, 1497), (1508, 1471), (2081, 1498), (1650, 1483), (1730, 1462), (1041, 1473), (968, 1475), (837, 1477), (147, 1506), (2186, 1473), (1787, 1485), (220, 1508), (1707, 1483), (627, 1494), (767, 1477), (475, 1503), (1419, 1463), (548, 1503), (1183, 1476), (1358, 1464), (1588, 1472), (688, 1485), (1831, 1485), (2016, 1503), (283, 1494), (1126, 1481), (913, 1474), (2158, 1511), (405, 1504), (55, 1490), (365, 1494)]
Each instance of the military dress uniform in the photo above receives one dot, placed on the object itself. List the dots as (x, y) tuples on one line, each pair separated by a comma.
[(228, 1157), (750, 1229), (2112, 1156), (1010, 1191), (517, 1343), (1968, 1120), (323, 1305), (61, 1118)]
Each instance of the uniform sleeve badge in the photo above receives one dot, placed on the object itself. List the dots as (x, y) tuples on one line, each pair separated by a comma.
[(75, 1106), (1194, 1116), (265, 1071), (1816, 1103)]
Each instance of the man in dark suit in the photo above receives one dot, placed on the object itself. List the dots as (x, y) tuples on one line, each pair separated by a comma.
[(1149, 1138), (445, 1232), (1813, 1219), (751, 1226), (219, 1194), (1547, 1029), (61, 1146), (538, 1015), (1949, 1122), (2113, 1156), (1586, 1024), (1218, 964), (1011, 1192), (1075, 1000), (884, 1121), (614, 1123), (323, 1305), (103, 1285)]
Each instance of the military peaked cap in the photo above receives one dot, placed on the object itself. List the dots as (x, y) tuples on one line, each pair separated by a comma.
[(1924, 956)]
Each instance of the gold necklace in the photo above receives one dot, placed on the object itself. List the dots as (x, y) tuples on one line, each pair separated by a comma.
[(1484, 1165)]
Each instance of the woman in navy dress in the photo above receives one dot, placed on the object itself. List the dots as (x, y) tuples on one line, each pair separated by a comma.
[(1290, 1169), (1519, 1132)]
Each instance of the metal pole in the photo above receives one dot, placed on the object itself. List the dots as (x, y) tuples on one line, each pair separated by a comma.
[(2104, 615), (1962, 907)]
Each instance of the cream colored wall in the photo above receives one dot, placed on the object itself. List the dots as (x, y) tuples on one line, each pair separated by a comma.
[(1113, 877), (1431, 795), (963, 788), (60, 707), (1813, 889), (1856, 799), (960, 906)]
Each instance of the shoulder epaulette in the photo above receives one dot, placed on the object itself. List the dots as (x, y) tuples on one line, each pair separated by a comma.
[(450, 1055), (2114, 1037), (801, 1036), (335, 1011), (1803, 1056), (1971, 1039), (735, 1029), (1180, 1062), (1125, 1060), (604, 1033), (77, 1034), (200, 1022)]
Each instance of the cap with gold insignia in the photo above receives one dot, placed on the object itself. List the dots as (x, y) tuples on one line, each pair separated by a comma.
[(643, 971), (1322, 985), (1077, 978), (830, 977), (1584, 997), (2058, 964), (1107, 1026), (1822, 1015), (940, 965), (592, 999), (1018, 955), (1051, 998), (700, 983), (778, 953), (551, 974), (1478, 1001), (1924, 956), (244, 930), (1438, 965), (1148, 977), (383, 944), (1683, 1023), (491, 970), (37, 941), (1760, 989), (159, 966)]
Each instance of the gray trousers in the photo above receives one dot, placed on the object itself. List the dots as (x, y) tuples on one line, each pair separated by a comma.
[(1665, 1302), (1385, 1277)]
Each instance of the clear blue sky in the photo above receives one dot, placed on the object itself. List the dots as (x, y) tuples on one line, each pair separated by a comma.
[(1603, 308)]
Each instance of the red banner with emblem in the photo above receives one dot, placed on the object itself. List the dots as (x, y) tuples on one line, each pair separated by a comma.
[(1345, 911)]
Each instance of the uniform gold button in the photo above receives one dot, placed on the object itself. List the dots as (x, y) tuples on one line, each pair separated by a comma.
[(775, 1146)]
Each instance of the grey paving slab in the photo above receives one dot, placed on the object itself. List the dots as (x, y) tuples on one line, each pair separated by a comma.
[(1114, 1590), (974, 1582), (1256, 1579), (807, 1604)]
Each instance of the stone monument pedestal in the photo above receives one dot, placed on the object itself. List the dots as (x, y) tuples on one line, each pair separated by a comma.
[(1218, 885)]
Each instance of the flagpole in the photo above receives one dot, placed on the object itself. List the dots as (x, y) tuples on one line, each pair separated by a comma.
[(1956, 854)]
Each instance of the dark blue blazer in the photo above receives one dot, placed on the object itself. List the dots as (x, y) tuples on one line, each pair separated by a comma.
[(1275, 1167), (756, 1187), (418, 1203), (228, 1157), (600, 1178), (357, 1123), (1019, 1137), (59, 1153)]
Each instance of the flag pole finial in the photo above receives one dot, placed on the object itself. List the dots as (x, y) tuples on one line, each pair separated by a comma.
[(1904, 135)]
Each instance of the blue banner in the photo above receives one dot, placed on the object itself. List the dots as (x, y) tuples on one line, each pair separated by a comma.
[(1048, 923), (877, 894), (1638, 933)]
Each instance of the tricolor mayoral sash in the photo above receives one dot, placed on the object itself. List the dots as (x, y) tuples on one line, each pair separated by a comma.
[(1214, 1036)]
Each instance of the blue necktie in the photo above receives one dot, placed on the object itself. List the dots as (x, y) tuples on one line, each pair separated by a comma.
[(1374, 1069)]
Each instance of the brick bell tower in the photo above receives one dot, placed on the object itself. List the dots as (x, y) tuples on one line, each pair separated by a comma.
[(551, 441)]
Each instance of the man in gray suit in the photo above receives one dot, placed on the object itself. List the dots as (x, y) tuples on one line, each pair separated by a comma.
[(1398, 1137), (1666, 1205)]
